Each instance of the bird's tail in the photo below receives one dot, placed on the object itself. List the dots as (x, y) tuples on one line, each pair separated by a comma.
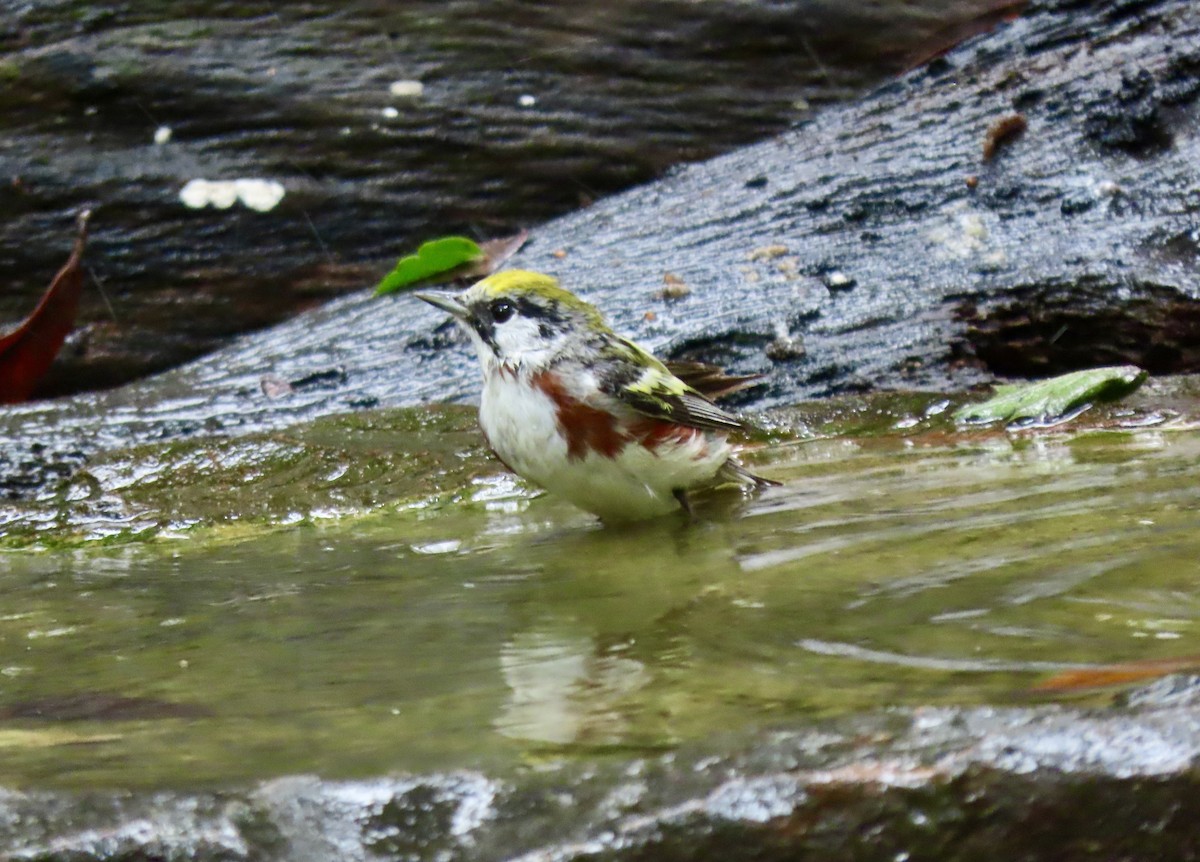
[(732, 471)]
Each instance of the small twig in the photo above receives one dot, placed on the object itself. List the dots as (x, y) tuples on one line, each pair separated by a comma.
[(103, 294), (808, 49), (324, 248), (146, 111)]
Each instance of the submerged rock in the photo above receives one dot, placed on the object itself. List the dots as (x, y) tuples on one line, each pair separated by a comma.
[(945, 784)]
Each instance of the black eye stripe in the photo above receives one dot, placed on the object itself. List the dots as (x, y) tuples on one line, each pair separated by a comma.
[(486, 331), (528, 308), (503, 309)]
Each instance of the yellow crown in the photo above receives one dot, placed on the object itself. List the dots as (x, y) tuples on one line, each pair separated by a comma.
[(518, 283)]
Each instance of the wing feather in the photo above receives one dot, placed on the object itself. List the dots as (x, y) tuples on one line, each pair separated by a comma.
[(709, 380), (640, 381)]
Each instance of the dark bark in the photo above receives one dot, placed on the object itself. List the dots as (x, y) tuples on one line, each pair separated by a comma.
[(297, 93)]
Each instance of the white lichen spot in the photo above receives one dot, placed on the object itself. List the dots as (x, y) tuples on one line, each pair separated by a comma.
[(259, 195), (199, 193), (789, 266), (767, 252), (256, 194), (406, 89), (966, 235), (973, 226), (390, 113), (527, 100), (162, 134)]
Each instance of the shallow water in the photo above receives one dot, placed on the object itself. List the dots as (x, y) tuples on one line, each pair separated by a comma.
[(927, 569)]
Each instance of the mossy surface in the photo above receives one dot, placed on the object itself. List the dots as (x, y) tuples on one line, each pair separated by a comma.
[(232, 486)]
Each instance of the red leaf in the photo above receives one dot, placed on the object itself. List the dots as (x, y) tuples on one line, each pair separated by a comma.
[(1117, 674), (27, 352), (496, 251), (959, 31)]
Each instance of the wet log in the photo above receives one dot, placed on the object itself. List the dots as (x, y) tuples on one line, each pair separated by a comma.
[(503, 115), (872, 246)]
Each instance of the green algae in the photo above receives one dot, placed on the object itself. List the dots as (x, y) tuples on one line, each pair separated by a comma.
[(234, 486)]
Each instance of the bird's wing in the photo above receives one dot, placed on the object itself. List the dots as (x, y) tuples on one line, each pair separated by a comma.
[(640, 381), (709, 380)]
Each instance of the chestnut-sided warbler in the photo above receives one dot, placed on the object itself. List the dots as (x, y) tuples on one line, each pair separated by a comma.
[(586, 414)]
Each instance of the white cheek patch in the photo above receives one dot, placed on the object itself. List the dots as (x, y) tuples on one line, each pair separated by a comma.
[(521, 339), (517, 334)]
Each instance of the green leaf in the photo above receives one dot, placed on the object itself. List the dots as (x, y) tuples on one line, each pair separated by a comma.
[(1050, 399), (436, 260)]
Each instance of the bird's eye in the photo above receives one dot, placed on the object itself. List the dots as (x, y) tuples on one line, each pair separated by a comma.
[(502, 310)]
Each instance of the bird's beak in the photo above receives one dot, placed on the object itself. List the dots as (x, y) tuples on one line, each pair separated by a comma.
[(446, 302)]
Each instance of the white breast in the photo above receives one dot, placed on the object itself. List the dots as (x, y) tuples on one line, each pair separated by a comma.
[(521, 424)]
